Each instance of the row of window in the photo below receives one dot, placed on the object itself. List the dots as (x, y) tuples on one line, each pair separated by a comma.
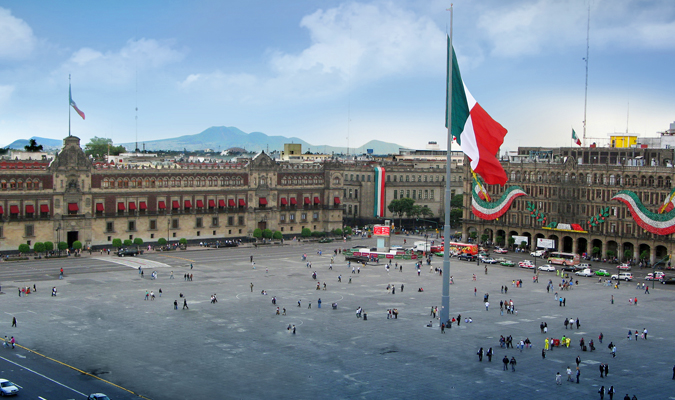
[(303, 180), (126, 183), (30, 210), (290, 218), (592, 178), (417, 194), (20, 184), (174, 223), (421, 178)]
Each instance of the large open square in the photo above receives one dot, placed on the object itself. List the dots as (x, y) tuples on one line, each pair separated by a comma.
[(238, 347)]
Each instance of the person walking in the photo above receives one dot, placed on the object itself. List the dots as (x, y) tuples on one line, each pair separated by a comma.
[(569, 374), (558, 378), (505, 360), (12, 341), (578, 360), (578, 373), (175, 304), (443, 327), (13, 322), (480, 354), (644, 333), (614, 351), (602, 392), (606, 370), (185, 304), (513, 364), (489, 354), (602, 370), (610, 392), (319, 302), (251, 287)]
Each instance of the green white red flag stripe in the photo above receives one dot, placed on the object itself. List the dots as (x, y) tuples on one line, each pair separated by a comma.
[(72, 103), (658, 224), (379, 192), (490, 210), (476, 132)]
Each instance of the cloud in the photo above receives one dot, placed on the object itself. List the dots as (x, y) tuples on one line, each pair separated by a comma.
[(119, 67), (16, 37), (350, 45), (541, 26)]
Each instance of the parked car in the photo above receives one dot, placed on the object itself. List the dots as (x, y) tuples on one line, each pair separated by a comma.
[(526, 264), (623, 267), (98, 396), (508, 263), (571, 268), (547, 268), (325, 240), (128, 251), (7, 388), (499, 250), (602, 272), (668, 281), (623, 276), (538, 253), (489, 261), (659, 276), (467, 257), (584, 272), (584, 265)]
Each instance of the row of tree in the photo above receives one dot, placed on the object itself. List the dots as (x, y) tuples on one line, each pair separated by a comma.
[(306, 232)]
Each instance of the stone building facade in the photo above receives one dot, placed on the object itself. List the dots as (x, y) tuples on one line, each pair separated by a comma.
[(571, 186)]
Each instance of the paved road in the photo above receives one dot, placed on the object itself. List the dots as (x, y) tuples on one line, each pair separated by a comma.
[(239, 348)]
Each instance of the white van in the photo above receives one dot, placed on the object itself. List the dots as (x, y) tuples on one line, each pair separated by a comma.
[(623, 276)]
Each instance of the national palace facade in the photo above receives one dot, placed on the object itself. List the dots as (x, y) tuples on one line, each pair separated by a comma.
[(572, 186)]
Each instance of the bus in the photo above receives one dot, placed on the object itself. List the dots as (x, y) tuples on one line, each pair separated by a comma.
[(459, 248), (556, 257)]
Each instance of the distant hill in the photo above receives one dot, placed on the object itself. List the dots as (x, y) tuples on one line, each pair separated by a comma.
[(220, 138), (47, 144)]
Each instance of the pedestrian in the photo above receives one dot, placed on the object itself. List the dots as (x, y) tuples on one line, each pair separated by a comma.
[(606, 370), (569, 374), (443, 327), (613, 351), (319, 302), (602, 370), (578, 374), (487, 306), (185, 304), (12, 341), (294, 329), (13, 322), (558, 378), (475, 292), (489, 354), (480, 354), (578, 323), (543, 353), (674, 372), (644, 333), (600, 337), (564, 300), (602, 392), (513, 364), (160, 292), (251, 287), (505, 360), (578, 360), (175, 304), (610, 392)]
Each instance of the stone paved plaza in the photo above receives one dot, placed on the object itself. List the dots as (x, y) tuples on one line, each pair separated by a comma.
[(238, 348)]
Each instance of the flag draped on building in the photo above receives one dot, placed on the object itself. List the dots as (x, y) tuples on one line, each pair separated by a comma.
[(379, 192), (72, 103), (575, 138), (479, 135)]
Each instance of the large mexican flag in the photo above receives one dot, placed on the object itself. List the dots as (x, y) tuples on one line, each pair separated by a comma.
[(479, 135)]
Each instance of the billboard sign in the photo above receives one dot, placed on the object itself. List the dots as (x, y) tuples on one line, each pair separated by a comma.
[(546, 243), (381, 230)]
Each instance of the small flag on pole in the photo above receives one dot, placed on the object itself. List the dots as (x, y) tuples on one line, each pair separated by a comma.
[(72, 103), (575, 138)]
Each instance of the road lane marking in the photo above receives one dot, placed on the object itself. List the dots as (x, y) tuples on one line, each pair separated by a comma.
[(43, 376)]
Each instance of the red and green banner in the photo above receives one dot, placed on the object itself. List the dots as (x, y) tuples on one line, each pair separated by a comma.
[(476, 132), (379, 192), (72, 103), (656, 223), (490, 210)]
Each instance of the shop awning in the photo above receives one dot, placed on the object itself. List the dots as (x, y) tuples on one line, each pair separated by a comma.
[(2, 211), (212, 203), (161, 205), (30, 209), (336, 200), (306, 201), (284, 202), (175, 204), (13, 209), (99, 207), (120, 206), (188, 204), (44, 208), (221, 203), (294, 201), (317, 200), (242, 203), (143, 205), (73, 207), (132, 206), (263, 201), (231, 203), (200, 204)]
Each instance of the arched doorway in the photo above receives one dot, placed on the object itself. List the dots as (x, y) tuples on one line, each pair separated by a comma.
[(612, 249), (644, 254), (660, 252), (596, 248), (568, 244), (628, 252), (500, 239), (582, 246), (556, 242), (487, 237)]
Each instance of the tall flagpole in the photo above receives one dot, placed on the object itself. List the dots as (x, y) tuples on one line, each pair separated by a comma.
[(69, 97), (445, 299), (588, 38)]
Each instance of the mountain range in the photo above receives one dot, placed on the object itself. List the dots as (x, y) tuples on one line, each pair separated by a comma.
[(218, 138)]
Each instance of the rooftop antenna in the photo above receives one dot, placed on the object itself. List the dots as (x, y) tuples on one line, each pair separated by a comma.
[(588, 35)]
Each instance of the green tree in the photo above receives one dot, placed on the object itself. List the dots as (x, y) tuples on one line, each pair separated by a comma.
[(267, 233), (161, 241), (611, 254), (644, 255), (512, 241), (257, 233), (100, 147), (499, 240), (49, 246), (32, 146), (277, 235), (318, 234), (457, 201), (484, 237), (628, 254), (39, 247), (306, 232), (182, 242), (473, 234), (128, 242), (523, 244), (138, 241), (77, 245), (455, 217), (63, 246), (117, 243), (24, 248), (348, 230), (337, 232), (426, 212)]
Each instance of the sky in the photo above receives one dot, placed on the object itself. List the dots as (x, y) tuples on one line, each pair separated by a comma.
[(336, 73)]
